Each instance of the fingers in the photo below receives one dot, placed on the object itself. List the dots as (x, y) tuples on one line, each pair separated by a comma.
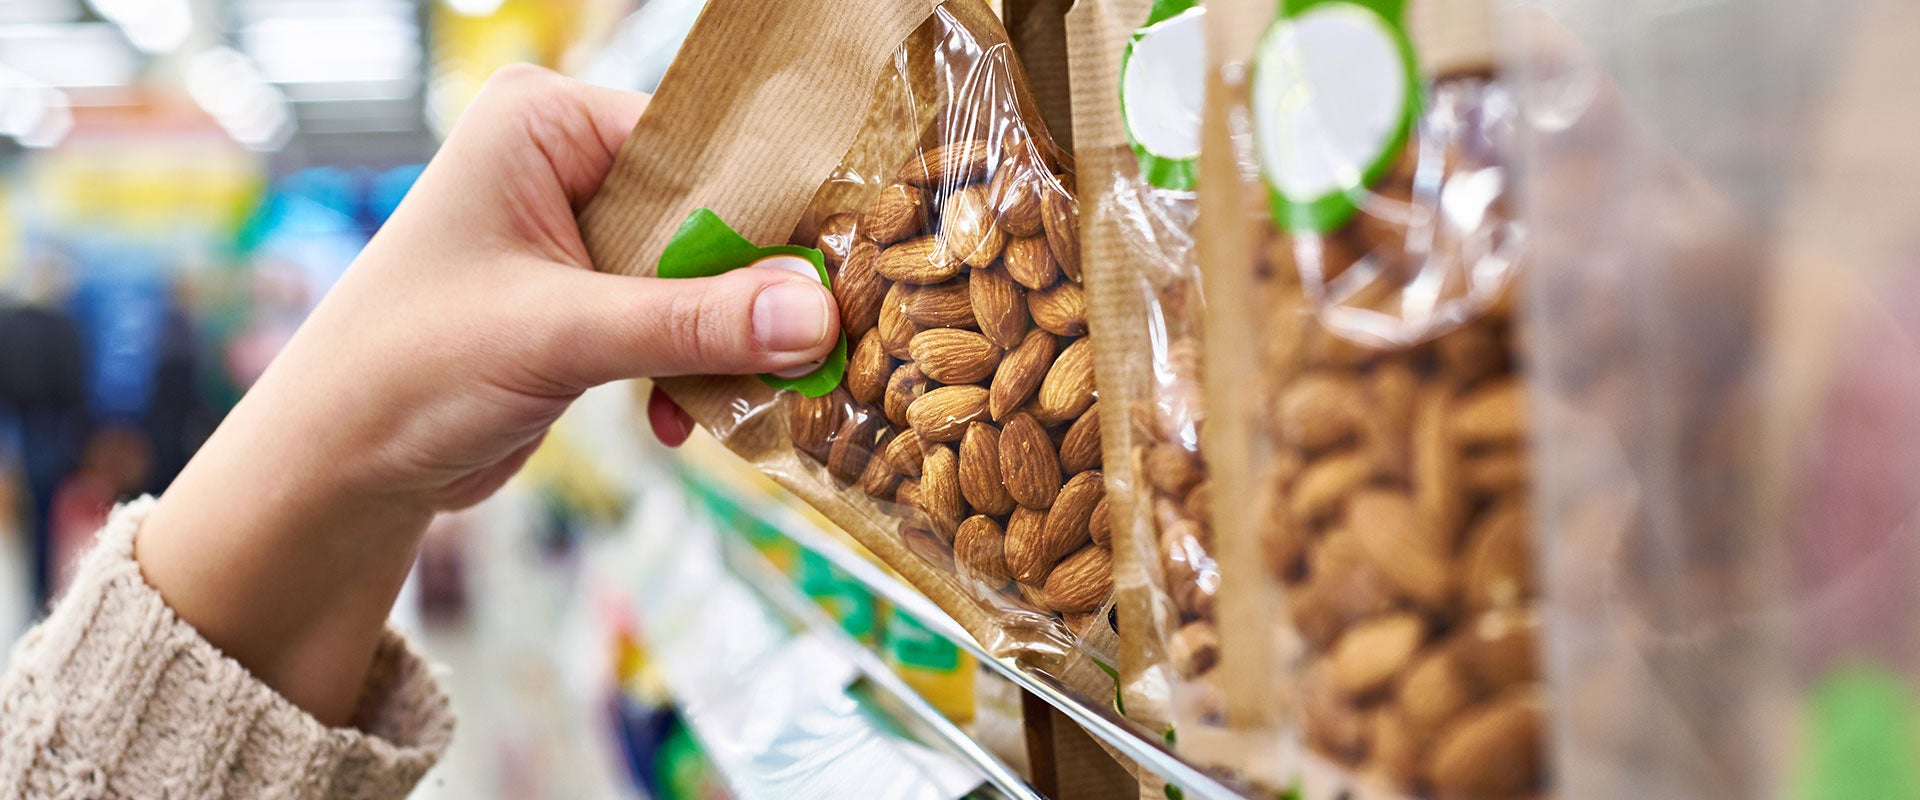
[(671, 423), (748, 321), (531, 112)]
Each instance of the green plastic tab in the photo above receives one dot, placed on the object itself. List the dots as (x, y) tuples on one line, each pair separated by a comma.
[(1862, 737), (706, 246)]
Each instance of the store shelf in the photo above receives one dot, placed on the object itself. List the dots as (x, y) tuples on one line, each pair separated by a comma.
[(782, 701), (1101, 722)]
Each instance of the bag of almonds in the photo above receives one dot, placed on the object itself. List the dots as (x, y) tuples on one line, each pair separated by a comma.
[(1137, 100), (1364, 365), (956, 433)]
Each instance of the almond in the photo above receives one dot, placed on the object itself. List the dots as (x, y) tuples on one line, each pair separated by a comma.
[(980, 481), (1436, 470), (1034, 596), (907, 493), (1392, 391), (1060, 308), (941, 415), (941, 305), (1493, 415), (1434, 689), (1494, 472), (906, 386), (1332, 725), (1318, 411), (1060, 219), (897, 212), (1497, 558), (1030, 263), (859, 290), (1067, 391), (1080, 447), (1028, 463), (895, 330), (924, 260), (949, 165), (1072, 510), (905, 452), (1320, 489), (980, 547), (1015, 192), (1100, 524), (968, 227), (1498, 648), (1171, 468), (1492, 751), (1194, 649), (879, 478), (1081, 582), (868, 369), (952, 355), (1371, 653), (999, 311), (836, 239), (1469, 354), (1388, 531), (1393, 751), (940, 490), (856, 442), (1024, 546), (812, 421), (1199, 502), (1021, 372)]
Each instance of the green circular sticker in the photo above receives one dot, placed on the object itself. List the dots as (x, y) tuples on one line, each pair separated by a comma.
[(1162, 89), (1335, 91)]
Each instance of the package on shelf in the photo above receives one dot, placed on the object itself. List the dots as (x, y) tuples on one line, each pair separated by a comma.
[(1367, 400), (1726, 394), (1137, 76), (954, 432)]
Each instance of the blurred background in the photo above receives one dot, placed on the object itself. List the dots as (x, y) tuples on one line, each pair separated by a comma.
[(180, 181)]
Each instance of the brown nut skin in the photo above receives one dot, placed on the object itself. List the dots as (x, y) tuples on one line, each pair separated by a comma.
[(859, 290), (868, 369), (1028, 464), (906, 386), (999, 308), (980, 481), (897, 212), (1021, 372), (1081, 582), (1059, 309), (1080, 446), (979, 548), (1067, 390), (954, 356), (941, 415)]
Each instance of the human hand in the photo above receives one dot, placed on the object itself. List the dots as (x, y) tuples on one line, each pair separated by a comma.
[(429, 374)]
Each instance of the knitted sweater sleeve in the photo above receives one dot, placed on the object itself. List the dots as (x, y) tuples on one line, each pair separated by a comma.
[(114, 696)]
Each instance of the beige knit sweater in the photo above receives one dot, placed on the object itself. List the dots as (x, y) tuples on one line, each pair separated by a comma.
[(113, 696)]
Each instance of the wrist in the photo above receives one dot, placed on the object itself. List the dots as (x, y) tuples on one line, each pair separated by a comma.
[(264, 549)]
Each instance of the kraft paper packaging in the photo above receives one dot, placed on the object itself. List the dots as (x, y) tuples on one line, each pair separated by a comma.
[(901, 139), (1137, 139), (1367, 399)]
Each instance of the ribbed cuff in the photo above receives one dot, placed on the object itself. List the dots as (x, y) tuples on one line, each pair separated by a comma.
[(113, 695)]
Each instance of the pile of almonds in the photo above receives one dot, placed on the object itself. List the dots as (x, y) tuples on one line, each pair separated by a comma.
[(1396, 516), (968, 411), (1166, 453)]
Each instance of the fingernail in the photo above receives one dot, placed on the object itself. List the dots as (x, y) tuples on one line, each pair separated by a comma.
[(790, 316)]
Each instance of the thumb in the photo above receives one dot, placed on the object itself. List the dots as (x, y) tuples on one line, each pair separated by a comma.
[(738, 323)]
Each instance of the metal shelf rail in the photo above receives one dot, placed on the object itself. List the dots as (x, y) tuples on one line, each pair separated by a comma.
[(1101, 722)]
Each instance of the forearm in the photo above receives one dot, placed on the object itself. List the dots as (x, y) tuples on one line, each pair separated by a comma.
[(278, 564)]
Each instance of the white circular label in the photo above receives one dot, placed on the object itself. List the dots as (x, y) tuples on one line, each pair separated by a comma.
[(1329, 92), (1165, 86)]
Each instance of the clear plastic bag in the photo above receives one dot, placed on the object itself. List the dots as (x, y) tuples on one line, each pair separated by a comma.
[(1379, 401), (1136, 102), (967, 423), (1726, 387)]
